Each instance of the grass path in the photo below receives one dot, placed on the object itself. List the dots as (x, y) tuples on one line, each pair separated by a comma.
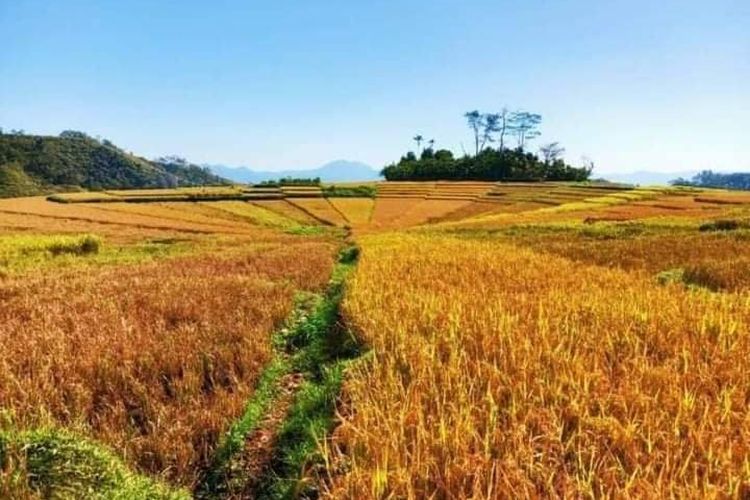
[(268, 448)]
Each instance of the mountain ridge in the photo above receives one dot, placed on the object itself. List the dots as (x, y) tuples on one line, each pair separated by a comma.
[(333, 171), (35, 164)]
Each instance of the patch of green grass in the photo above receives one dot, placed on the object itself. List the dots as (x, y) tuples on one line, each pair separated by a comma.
[(23, 252), (611, 231), (307, 230), (51, 463), (222, 478), (82, 245), (310, 419), (363, 191)]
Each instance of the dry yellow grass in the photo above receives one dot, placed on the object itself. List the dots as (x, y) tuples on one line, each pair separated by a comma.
[(499, 372), (12, 223)]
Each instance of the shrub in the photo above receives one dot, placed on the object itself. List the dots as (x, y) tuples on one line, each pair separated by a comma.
[(724, 225), (83, 245), (349, 255)]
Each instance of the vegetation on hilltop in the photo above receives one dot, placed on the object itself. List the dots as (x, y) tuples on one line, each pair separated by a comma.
[(291, 181), (188, 174), (708, 178), (32, 164), (490, 164)]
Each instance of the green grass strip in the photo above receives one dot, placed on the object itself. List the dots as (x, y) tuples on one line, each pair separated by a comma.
[(330, 348)]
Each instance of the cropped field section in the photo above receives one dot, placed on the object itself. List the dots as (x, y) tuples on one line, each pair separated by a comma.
[(140, 327), (494, 341), (498, 371)]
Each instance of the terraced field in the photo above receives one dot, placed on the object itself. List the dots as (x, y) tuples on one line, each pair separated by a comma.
[(141, 327), (523, 340), (584, 349)]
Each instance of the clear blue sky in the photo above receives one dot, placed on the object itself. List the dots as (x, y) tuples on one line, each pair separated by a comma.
[(660, 85)]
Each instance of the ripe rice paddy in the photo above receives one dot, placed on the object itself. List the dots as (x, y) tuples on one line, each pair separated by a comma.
[(524, 340)]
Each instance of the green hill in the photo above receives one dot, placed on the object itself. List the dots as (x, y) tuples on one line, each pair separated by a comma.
[(31, 165)]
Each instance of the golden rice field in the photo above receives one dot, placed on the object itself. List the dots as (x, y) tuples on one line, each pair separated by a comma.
[(356, 211), (545, 340), (320, 209), (557, 352), (144, 327), (498, 371)]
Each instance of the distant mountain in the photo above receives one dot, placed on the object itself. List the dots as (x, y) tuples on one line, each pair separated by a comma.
[(644, 177), (335, 171), (32, 164)]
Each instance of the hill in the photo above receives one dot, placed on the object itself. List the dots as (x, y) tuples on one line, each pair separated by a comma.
[(644, 177), (31, 164), (335, 171)]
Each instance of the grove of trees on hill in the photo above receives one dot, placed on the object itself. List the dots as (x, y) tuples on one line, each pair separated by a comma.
[(501, 163), (34, 164), (711, 179)]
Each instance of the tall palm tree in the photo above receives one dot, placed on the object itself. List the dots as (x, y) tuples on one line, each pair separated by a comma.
[(418, 139)]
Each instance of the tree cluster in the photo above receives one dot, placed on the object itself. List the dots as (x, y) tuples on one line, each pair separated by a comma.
[(711, 179), (500, 163), (291, 181)]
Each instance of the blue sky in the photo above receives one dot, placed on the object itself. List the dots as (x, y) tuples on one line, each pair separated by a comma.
[(659, 85)]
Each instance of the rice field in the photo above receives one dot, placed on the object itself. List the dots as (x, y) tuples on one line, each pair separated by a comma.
[(356, 211), (499, 371), (287, 210), (493, 341), (151, 343), (592, 348), (320, 209)]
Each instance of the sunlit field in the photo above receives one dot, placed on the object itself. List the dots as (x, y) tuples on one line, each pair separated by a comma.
[(144, 327), (589, 349), (494, 341)]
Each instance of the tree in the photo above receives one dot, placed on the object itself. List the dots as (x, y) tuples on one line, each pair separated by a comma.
[(431, 142), (418, 139), (524, 126), (172, 159), (551, 152), (490, 124), (475, 120), (73, 134), (502, 126)]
